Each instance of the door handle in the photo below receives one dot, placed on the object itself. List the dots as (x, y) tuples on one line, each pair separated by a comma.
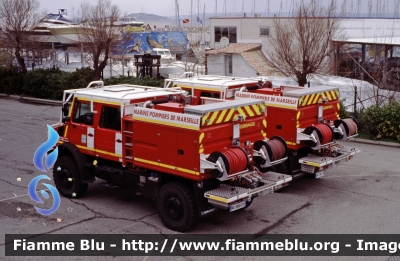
[(90, 135), (119, 141)]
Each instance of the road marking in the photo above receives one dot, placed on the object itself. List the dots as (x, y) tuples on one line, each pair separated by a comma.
[(22, 195), (29, 117), (372, 175)]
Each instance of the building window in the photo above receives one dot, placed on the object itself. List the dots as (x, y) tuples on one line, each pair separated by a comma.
[(217, 34), (228, 32), (264, 31), (228, 63), (110, 118)]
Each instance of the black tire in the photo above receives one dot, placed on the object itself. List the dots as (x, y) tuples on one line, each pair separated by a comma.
[(64, 169), (177, 207)]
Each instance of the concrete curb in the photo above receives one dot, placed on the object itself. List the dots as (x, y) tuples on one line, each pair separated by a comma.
[(374, 142), (32, 100)]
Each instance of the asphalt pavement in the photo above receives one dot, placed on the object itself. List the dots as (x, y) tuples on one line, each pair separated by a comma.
[(359, 197)]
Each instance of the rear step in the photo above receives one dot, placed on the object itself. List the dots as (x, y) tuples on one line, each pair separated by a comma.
[(233, 197)]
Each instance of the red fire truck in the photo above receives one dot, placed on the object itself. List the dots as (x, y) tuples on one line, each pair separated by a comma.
[(193, 159), (306, 118)]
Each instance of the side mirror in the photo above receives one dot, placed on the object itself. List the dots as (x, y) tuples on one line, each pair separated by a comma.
[(65, 119), (65, 109)]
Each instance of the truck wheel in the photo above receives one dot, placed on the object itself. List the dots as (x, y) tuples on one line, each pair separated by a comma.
[(177, 207), (67, 178)]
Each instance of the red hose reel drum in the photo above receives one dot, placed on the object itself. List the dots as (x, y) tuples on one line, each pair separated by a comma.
[(233, 160), (276, 148), (350, 126), (324, 134)]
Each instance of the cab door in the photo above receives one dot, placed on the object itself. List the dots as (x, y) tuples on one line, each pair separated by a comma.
[(80, 130), (108, 140)]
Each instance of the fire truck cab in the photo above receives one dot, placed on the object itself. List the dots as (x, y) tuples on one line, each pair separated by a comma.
[(192, 159), (306, 118)]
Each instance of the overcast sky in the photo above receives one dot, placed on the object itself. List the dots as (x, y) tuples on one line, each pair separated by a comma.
[(167, 7)]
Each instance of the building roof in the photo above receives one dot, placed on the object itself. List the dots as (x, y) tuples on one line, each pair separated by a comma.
[(235, 48), (260, 63), (371, 40), (252, 54)]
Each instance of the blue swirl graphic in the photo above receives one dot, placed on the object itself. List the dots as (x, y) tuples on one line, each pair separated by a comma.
[(33, 195), (41, 156)]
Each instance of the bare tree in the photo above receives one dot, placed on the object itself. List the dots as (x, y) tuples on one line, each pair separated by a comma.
[(301, 45), (381, 71), (98, 32), (18, 18)]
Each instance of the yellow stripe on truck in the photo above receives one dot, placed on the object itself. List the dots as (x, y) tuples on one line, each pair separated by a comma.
[(204, 118), (167, 166), (329, 96), (317, 97), (310, 100), (212, 119), (230, 115), (224, 200), (256, 109), (241, 112), (334, 95), (249, 111), (222, 116)]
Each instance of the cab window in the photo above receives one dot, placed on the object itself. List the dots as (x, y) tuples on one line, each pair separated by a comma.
[(110, 118), (82, 113), (211, 95)]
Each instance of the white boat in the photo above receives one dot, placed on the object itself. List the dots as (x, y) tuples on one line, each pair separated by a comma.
[(130, 24), (166, 56), (167, 66), (41, 32), (65, 34), (69, 33)]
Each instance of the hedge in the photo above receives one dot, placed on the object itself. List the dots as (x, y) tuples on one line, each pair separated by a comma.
[(381, 121), (50, 83)]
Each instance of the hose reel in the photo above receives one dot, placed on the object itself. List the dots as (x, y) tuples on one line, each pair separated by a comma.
[(232, 161), (345, 128), (269, 153), (321, 134)]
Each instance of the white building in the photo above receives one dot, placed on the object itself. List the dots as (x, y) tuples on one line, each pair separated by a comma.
[(241, 35)]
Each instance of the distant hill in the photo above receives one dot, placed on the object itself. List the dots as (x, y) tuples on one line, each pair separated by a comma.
[(143, 17)]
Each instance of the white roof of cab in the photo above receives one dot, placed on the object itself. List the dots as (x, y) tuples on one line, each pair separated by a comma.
[(212, 81), (201, 109), (123, 92), (301, 92)]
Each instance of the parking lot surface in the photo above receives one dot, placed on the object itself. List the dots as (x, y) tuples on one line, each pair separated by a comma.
[(358, 197)]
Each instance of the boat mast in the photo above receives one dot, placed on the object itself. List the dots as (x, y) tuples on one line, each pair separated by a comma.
[(191, 13), (225, 7), (204, 19), (178, 23)]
